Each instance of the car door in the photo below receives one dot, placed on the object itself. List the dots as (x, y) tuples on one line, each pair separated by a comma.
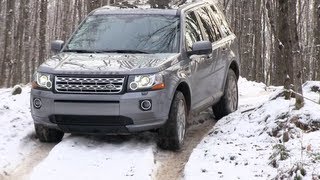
[(211, 33), (198, 64), (221, 66)]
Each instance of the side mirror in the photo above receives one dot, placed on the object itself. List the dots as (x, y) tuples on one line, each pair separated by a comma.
[(56, 46), (202, 48)]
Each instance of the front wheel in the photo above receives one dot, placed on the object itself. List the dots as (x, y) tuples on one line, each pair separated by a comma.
[(172, 134), (46, 134), (229, 101)]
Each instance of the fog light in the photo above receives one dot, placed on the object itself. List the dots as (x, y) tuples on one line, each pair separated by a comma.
[(37, 103), (146, 105)]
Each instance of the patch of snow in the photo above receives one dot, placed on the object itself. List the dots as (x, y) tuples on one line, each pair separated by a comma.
[(252, 93)]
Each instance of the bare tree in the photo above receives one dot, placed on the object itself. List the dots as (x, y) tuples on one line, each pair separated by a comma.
[(7, 63), (42, 31), (317, 39)]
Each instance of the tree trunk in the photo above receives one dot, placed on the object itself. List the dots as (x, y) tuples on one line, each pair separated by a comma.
[(283, 63), (42, 32), (17, 75), (6, 64), (66, 15), (257, 28), (34, 36), (26, 41), (317, 39), (295, 49)]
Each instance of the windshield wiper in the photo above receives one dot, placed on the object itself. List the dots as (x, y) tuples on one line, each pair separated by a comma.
[(80, 51), (123, 51)]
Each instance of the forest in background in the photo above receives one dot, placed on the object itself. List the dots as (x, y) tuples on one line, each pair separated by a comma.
[(276, 38)]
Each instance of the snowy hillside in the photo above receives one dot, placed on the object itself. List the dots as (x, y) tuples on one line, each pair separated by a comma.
[(272, 140)]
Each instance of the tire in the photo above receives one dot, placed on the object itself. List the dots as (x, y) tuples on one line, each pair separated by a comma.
[(171, 135), (48, 135), (229, 101)]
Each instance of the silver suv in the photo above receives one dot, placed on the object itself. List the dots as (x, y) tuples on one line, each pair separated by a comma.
[(133, 70)]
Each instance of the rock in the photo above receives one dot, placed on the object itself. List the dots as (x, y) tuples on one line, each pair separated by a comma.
[(17, 89), (285, 137), (232, 158), (315, 89)]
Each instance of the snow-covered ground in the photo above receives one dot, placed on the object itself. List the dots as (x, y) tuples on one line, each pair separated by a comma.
[(85, 158), (16, 129), (247, 144), (76, 157), (263, 142)]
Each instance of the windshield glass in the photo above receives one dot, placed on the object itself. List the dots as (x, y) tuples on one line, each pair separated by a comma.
[(127, 34)]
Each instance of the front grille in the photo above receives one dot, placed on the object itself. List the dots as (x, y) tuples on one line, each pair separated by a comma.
[(109, 85)]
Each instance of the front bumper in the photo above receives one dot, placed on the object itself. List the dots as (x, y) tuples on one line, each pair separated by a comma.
[(88, 113)]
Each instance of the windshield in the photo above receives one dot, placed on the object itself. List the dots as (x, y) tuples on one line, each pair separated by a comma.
[(127, 34)]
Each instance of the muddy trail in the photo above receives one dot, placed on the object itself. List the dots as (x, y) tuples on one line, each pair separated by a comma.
[(171, 164)]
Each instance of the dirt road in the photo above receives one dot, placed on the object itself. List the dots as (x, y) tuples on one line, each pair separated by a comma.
[(171, 164)]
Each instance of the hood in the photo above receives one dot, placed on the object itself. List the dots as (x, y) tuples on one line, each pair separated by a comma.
[(79, 63)]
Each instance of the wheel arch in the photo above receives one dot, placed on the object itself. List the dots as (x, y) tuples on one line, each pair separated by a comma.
[(185, 89), (235, 67)]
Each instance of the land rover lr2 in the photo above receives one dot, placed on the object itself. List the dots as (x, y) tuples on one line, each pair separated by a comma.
[(133, 70)]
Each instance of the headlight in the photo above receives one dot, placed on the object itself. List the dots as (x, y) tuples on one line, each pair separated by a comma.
[(42, 80), (146, 82)]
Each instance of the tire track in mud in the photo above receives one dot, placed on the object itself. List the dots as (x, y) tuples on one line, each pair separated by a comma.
[(171, 164)]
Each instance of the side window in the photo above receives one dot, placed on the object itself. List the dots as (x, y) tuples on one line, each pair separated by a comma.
[(220, 20), (193, 32), (211, 30)]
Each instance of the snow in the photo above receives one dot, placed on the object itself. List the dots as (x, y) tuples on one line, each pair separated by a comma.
[(76, 157), (16, 128), (84, 158), (252, 93), (240, 145)]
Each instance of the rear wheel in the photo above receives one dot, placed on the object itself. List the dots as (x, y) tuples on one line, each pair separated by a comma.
[(47, 134), (229, 101), (172, 134)]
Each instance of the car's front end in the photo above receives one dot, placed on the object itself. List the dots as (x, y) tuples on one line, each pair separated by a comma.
[(99, 103), (110, 77)]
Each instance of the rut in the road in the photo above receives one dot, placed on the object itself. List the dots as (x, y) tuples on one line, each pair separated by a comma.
[(171, 164)]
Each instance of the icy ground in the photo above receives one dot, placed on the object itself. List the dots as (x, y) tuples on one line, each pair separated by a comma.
[(247, 144), (261, 140)]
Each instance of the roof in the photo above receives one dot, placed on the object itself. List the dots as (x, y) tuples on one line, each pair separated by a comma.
[(113, 10), (126, 8)]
